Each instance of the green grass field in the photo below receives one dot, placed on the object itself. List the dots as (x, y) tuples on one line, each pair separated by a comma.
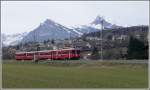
[(74, 75)]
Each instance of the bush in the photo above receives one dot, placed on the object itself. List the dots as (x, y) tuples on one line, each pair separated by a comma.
[(137, 49)]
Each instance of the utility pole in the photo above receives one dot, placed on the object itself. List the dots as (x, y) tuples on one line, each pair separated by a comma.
[(102, 23), (70, 38), (69, 42), (36, 46)]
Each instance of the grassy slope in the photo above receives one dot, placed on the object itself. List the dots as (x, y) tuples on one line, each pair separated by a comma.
[(95, 75)]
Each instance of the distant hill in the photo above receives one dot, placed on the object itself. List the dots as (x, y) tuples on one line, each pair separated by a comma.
[(140, 32)]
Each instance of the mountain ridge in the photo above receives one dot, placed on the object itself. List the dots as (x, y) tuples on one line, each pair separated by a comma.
[(50, 29)]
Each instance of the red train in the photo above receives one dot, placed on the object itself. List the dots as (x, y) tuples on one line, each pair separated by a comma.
[(49, 55)]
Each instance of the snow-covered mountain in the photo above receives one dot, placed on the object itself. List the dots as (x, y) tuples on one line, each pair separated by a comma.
[(13, 39), (100, 21), (49, 30), (96, 25), (52, 30)]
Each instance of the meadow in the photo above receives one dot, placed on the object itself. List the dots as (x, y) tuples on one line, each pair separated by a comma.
[(74, 74)]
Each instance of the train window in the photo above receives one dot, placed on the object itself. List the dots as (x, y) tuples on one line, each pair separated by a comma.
[(29, 54), (59, 52), (78, 51), (49, 53), (20, 54), (54, 52), (74, 51), (65, 52), (44, 53), (41, 53), (36, 53), (62, 52)]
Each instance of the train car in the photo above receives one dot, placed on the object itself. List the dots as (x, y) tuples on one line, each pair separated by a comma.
[(24, 56), (20, 55), (70, 53), (63, 54)]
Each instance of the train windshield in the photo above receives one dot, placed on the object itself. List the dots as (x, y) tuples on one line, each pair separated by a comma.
[(76, 52)]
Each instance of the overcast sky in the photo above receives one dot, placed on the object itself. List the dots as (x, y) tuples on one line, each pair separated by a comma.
[(24, 16)]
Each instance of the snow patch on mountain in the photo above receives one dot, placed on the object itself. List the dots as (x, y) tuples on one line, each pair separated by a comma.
[(77, 32), (12, 40)]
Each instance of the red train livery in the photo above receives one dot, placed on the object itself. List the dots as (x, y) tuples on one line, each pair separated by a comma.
[(49, 55)]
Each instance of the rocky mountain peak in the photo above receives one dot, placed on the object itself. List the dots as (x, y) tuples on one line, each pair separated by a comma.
[(98, 20), (49, 21)]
